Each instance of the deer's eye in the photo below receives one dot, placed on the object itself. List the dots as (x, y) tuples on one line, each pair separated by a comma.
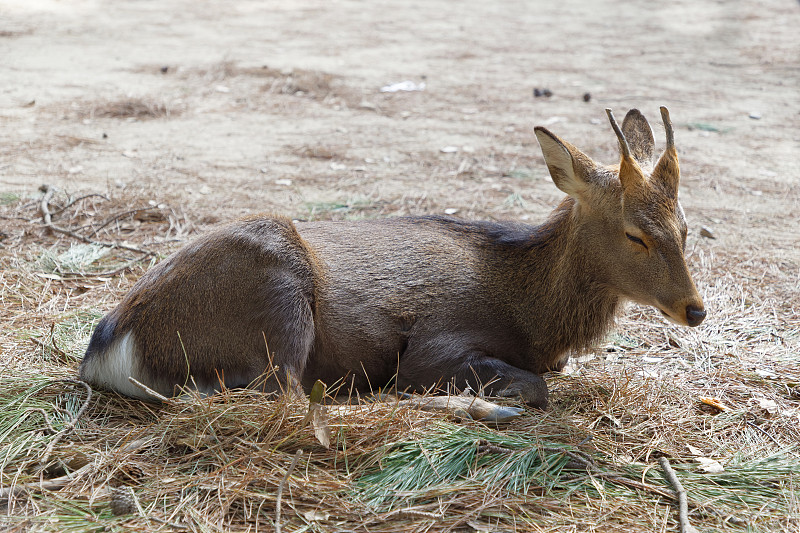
[(637, 240)]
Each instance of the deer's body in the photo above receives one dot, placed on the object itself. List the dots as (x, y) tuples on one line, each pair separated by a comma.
[(425, 300)]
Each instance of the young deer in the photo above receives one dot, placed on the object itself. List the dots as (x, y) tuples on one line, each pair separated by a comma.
[(422, 300)]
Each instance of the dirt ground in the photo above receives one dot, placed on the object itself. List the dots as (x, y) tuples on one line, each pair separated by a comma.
[(210, 110), (217, 112)]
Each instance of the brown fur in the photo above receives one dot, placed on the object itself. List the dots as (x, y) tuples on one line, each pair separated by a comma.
[(422, 300)]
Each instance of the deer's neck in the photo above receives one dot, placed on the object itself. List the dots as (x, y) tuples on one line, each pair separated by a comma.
[(569, 305)]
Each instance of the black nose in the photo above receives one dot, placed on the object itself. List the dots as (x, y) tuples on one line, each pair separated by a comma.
[(694, 315)]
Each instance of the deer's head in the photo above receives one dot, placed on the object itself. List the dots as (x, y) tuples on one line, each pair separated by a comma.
[(630, 225)]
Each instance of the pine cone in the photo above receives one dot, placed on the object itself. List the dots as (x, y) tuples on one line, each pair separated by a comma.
[(122, 501)]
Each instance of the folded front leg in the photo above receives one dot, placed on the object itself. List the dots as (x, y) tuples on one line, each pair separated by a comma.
[(423, 369)]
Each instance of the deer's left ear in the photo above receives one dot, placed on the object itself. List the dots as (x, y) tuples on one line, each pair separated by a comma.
[(568, 166)]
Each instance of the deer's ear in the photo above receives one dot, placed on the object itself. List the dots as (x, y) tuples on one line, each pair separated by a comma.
[(568, 166), (639, 135)]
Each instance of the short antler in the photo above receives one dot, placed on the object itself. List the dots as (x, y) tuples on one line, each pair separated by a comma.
[(668, 126), (623, 142), (667, 169)]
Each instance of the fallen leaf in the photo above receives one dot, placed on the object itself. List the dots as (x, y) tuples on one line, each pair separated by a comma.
[(714, 402), (768, 405), (710, 466), (694, 451), (317, 415), (707, 233), (481, 527), (315, 516)]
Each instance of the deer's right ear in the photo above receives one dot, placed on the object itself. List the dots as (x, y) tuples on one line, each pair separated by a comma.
[(567, 164)]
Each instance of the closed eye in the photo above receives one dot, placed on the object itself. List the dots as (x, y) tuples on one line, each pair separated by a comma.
[(637, 240)]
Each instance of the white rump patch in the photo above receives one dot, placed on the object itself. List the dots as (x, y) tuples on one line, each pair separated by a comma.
[(112, 368)]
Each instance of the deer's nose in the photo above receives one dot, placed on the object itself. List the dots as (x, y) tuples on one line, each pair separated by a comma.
[(694, 315)]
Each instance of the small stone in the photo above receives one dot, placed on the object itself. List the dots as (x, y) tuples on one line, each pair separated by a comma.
[(450, 211), (587, 97), (449, 149), (755, 115), (222, 89), (164, 69)]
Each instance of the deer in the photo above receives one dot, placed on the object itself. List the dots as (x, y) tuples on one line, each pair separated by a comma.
[(416, 301)]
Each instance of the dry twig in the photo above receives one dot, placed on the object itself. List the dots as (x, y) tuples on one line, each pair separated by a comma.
[(683, 505), (148, 390), (46, 418), (119, 216), (61, 482), (280, 490), (55, 348), (76, 200), (70, 425), (48, 222)]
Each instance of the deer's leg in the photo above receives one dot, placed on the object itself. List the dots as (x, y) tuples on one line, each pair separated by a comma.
[(284, 323), (422, 369)]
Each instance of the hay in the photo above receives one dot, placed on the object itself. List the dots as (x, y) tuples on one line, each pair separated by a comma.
[(221, 463)]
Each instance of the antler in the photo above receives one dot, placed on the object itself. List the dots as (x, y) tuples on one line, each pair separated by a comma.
[(667, 169), (668, 126), (623, 142)]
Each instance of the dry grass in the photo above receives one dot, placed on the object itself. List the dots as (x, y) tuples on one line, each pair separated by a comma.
[(295, 82), (139, 108), (219, 463)]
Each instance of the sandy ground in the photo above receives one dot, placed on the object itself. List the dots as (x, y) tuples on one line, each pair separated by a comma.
[(254, 88), (276, 106)]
